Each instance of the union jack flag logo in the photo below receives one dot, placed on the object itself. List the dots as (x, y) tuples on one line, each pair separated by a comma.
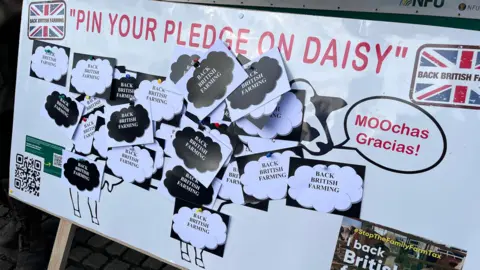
[(447, 76), (46, 20)]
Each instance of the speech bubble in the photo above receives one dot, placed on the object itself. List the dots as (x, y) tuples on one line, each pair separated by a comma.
[(394, 134)]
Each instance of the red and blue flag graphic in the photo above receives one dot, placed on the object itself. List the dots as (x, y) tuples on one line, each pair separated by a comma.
[(46, 20), (447, 76)]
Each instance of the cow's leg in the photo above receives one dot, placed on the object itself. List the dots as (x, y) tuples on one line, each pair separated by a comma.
[(199, 257), (184, 251), (75, 204), (93, 211)]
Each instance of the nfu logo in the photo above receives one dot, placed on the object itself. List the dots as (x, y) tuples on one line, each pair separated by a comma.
[(464, 6), (422, 3)]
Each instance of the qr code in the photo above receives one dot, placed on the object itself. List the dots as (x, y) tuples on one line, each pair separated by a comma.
[(27, 174), (57, 160)]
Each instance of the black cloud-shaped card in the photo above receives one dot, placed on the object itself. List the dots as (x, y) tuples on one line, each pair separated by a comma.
[(201, 154), (124, 86), (82, 174), (211, 80), (266, 81), (129, 124), (181, 66), (181, 60), (179, 183), (64, 110)]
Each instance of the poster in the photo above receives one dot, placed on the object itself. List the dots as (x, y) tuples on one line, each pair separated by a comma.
[(365, 245), (444, 8), (399, 100)]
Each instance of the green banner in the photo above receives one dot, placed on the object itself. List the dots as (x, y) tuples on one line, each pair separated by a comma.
[(51, 153)]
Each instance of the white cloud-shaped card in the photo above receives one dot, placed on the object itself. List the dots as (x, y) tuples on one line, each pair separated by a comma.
[(232, 189), (50, 62), (287, 116), (91, 104), (132, 164), (201, 228), (326, 188), (83, 136), (92, 75), (165, 105), (100, 139), (264, 176)]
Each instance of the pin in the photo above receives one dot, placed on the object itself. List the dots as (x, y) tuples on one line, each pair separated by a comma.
[(159, 81), (269, 155), (127, 76), (199, 210), (87, 97), (84, 119), (62, 96), (217, 125), (252, 67), (92, 58), (196, 63), (229, 47), (132, 101)]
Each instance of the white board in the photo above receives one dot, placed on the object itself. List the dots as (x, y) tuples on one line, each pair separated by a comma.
[(442, 8), (432, 194)]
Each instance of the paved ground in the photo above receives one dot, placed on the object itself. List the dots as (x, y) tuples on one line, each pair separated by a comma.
[(89, 251)]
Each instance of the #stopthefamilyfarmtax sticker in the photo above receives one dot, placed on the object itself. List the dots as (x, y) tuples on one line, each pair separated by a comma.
[(363, 245), (327, 187), (201, 227)]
